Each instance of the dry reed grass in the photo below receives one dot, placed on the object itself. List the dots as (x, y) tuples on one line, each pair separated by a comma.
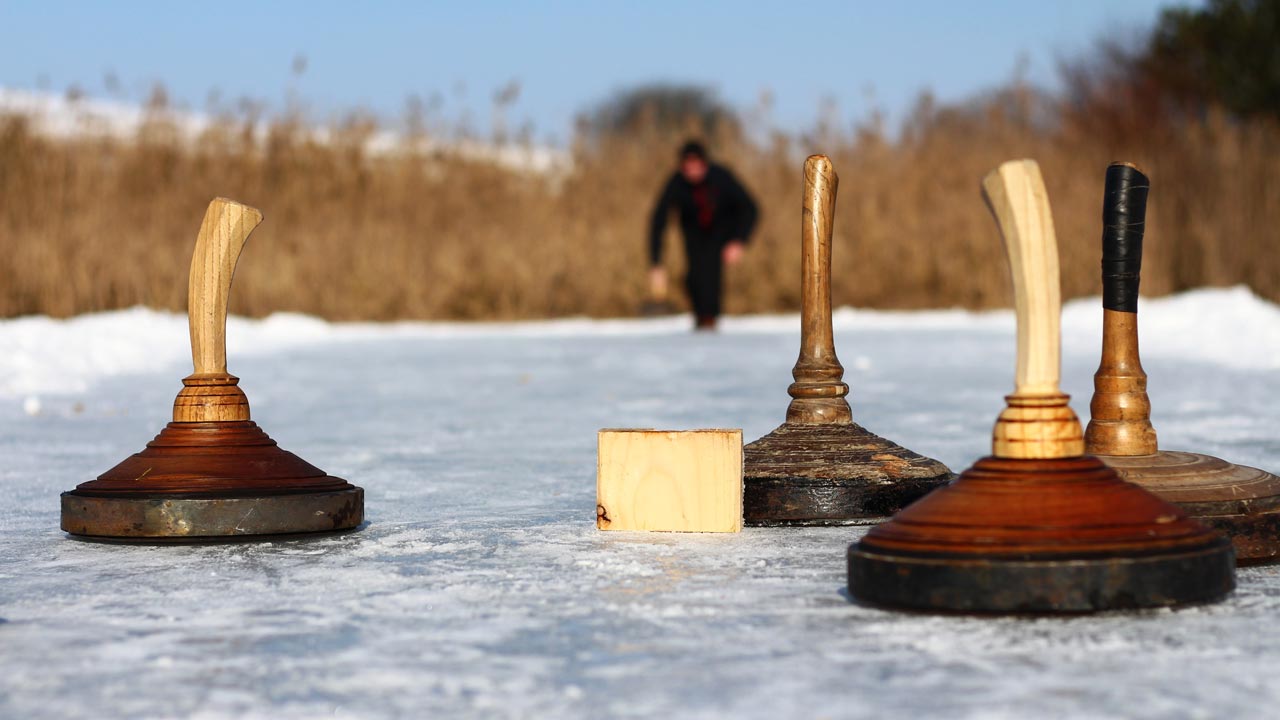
[(96, 224)]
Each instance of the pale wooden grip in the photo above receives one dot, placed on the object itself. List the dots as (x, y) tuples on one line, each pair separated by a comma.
[(1037, 422), (223, 233), (1016, 194)]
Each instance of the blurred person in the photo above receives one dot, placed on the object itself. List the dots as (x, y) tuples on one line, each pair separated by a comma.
[(717, 216)]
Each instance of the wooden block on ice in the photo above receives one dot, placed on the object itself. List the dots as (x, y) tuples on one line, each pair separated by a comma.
[(669, 480)]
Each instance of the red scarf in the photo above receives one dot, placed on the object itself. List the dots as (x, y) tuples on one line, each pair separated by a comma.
[(704, 199)]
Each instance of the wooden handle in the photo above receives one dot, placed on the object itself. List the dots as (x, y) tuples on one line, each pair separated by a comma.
[(818, 393), (1038, 422), (223, 233), (1120, 411), (1016, 195), (1124, 211), (821, 183)]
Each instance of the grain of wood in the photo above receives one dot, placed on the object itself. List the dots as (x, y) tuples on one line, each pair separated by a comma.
[(1038, 422), (676, 481), (818, 393), (1120, 411), (226, 228), (210, 393)]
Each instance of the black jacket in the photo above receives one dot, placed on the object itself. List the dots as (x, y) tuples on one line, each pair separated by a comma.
[(712, 212)]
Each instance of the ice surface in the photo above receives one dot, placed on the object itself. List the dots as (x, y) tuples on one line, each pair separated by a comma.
[(480, 586)]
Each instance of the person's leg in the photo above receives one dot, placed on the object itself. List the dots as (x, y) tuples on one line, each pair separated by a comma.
[(704, 285)]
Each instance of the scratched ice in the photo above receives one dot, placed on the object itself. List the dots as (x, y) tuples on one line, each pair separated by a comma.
[(480, 587)]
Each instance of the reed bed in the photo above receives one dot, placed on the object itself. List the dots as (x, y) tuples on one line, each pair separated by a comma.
[(89, 224)]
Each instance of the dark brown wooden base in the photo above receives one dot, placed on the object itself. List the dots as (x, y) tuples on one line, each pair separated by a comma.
[(208, 481), (1040, 536), (1240, 501), (832, 474)]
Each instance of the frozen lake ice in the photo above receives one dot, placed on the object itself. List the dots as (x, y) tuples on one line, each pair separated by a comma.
[(480, 587)]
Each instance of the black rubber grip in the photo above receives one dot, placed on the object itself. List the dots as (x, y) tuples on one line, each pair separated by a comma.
[(1124, 212)]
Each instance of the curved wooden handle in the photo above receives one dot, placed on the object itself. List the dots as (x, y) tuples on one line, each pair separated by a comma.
[(818, 393), (1124, 212), (1037, 422), (1016, 195), (225, 229)]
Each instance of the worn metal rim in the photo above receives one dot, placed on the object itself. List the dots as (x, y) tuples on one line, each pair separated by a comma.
[(1060, 585), (1256, 536), (800, 501), (194, 517)]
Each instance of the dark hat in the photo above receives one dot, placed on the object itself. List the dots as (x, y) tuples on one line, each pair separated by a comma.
[(694, 148)]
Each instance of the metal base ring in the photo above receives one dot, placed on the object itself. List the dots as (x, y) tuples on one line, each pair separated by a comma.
[(799, 501), (160, 516), (1053, 585)]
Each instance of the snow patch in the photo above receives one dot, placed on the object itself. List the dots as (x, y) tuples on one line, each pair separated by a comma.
[(1231, 327), (59, 116)]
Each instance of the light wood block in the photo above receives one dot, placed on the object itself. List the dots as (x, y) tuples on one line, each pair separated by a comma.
[(669, 480)]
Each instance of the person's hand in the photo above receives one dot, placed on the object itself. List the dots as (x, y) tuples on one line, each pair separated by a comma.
[(657, 283), (733, 252)]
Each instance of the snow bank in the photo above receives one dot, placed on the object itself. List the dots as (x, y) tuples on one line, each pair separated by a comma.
[(1230, 327), (1224, 326)]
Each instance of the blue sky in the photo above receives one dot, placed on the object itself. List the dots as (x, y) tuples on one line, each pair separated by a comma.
[(565, 55)]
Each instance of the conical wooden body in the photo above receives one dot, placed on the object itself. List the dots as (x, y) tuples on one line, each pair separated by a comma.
[(832, 474), (1062, 535), (1240, 501), (208, 480)]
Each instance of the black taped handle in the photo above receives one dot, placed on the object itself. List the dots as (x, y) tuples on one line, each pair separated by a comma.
[(1124, 212)]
